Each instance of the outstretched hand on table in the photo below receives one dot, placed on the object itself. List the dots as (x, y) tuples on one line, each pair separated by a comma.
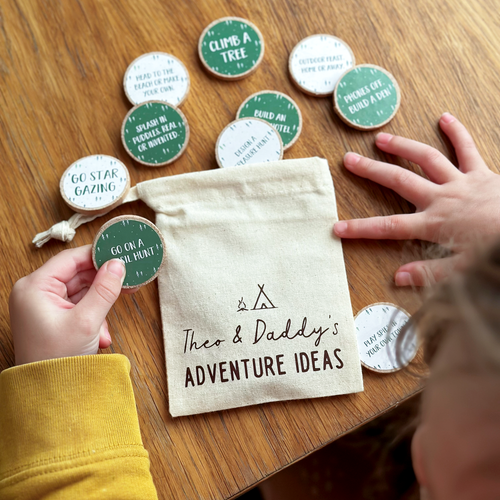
[(60, 309), (456, 208)]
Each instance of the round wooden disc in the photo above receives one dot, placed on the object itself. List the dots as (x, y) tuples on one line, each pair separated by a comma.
[(95, 184), (276, 108), (155, 133), (134, 240), (377, 328), (156, 76), (366, 97), (317, 62), (231, 48), (248, 140)]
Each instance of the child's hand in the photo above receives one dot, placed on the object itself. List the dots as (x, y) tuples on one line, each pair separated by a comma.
[(456, 208), (60, 309)]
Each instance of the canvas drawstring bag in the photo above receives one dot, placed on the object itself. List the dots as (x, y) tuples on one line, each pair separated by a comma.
[(254, 297)]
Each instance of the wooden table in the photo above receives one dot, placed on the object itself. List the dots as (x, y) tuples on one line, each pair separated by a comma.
[(61, 70)]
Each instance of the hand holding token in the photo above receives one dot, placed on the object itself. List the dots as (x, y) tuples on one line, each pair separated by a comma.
[(456, 208), (60, 309)]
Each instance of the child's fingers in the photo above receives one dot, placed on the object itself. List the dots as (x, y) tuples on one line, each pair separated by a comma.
[(80, 281), (67, 264), (406, 183), (427, 272), (104, 337), (467, 154), (435, 165), (392, 227), (74, 299), (103, 293)]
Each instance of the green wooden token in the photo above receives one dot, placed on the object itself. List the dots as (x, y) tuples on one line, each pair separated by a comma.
[(277, 109), (231, 48), (366, 97), (155, 133), (135, 241)]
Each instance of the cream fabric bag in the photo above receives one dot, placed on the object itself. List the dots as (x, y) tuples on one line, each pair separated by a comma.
[(254, 297)]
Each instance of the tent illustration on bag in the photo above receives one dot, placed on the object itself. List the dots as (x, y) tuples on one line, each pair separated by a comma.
[(263, 301)]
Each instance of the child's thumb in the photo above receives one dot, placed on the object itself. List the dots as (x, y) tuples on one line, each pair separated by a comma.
[(104, 292)]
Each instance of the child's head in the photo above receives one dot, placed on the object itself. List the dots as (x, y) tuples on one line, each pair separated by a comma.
[(456, 448)]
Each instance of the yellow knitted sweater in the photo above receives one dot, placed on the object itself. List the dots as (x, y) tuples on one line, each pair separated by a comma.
[(69, 429)]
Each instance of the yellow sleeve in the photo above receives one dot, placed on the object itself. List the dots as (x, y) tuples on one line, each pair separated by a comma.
[(69, 429)]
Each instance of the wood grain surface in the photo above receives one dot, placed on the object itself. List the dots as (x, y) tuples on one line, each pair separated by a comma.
[(61, 70)]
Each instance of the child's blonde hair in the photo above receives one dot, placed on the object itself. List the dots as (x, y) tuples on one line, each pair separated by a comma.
[(467, 305)]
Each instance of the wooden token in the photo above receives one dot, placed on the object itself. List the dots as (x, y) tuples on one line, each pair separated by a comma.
[(95, 184), (135, 241), (156, 76), (277, 109), (366, 97), (377, 329), (317, 62), (155, 133), (231, 48), (248, 140)]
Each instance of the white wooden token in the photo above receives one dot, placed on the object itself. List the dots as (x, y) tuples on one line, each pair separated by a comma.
[(317, 62), (95, 184), (377, 329), (156, 77), (248, 140)]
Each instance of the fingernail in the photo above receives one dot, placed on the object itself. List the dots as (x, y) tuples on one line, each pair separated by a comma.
[(116, 267), (403, 279), (350, 159), (383, 138), (447, 118), (340, 228)]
